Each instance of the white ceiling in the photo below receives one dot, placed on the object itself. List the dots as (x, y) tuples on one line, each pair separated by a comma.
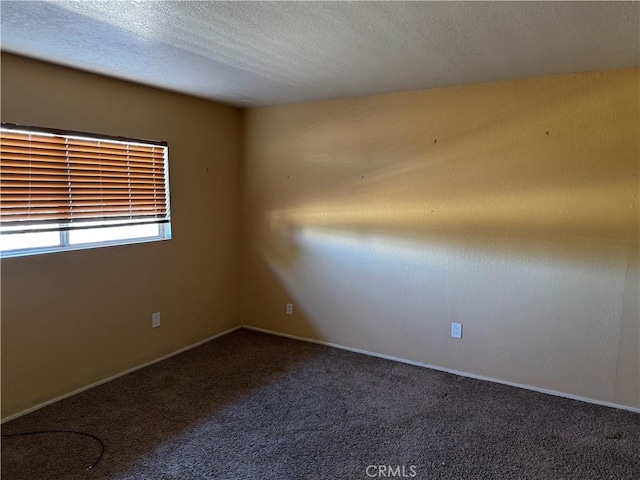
[(265, 53)]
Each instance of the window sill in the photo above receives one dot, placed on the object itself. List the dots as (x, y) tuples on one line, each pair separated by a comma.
[(83, 246)]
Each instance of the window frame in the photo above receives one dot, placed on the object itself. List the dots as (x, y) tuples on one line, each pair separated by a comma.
[(63, 229)]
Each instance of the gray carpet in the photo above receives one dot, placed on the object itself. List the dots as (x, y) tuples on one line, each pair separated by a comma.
[(254, 406)]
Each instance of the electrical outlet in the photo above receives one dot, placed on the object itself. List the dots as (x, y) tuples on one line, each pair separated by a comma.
[(289, 308), (155, 320), (456, 330)]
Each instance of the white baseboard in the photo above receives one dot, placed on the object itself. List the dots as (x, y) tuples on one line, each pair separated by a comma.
[(448, 370), (117, 375)]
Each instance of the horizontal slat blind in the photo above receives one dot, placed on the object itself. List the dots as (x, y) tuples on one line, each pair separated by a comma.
[(66, 180)]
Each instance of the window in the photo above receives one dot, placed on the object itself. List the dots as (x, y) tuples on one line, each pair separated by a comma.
[(67, 190)]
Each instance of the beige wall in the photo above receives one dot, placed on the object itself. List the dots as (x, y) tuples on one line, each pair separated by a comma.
[(509, 207), (383, 219), (70, 319)]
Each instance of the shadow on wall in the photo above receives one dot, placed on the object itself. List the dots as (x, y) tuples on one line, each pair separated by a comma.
[(512, 208)]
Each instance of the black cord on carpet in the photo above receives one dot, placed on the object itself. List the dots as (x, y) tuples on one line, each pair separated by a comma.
[(40, 432)]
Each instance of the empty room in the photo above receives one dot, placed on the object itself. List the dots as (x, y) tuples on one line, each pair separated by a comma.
[(320, 240)]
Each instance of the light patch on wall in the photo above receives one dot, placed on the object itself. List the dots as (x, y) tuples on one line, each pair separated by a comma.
[(360, 285), (580, 206)]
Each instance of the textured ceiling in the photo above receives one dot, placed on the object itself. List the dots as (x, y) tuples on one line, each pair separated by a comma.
[(265, 53)]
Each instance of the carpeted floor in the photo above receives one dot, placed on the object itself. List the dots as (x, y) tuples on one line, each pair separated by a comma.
[(254, 406)]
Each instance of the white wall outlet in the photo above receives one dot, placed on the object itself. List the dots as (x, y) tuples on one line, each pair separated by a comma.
[(289, 308), (456, 330), (155, 320)]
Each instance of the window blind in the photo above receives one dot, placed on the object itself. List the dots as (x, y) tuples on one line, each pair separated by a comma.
[(61, 181)]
